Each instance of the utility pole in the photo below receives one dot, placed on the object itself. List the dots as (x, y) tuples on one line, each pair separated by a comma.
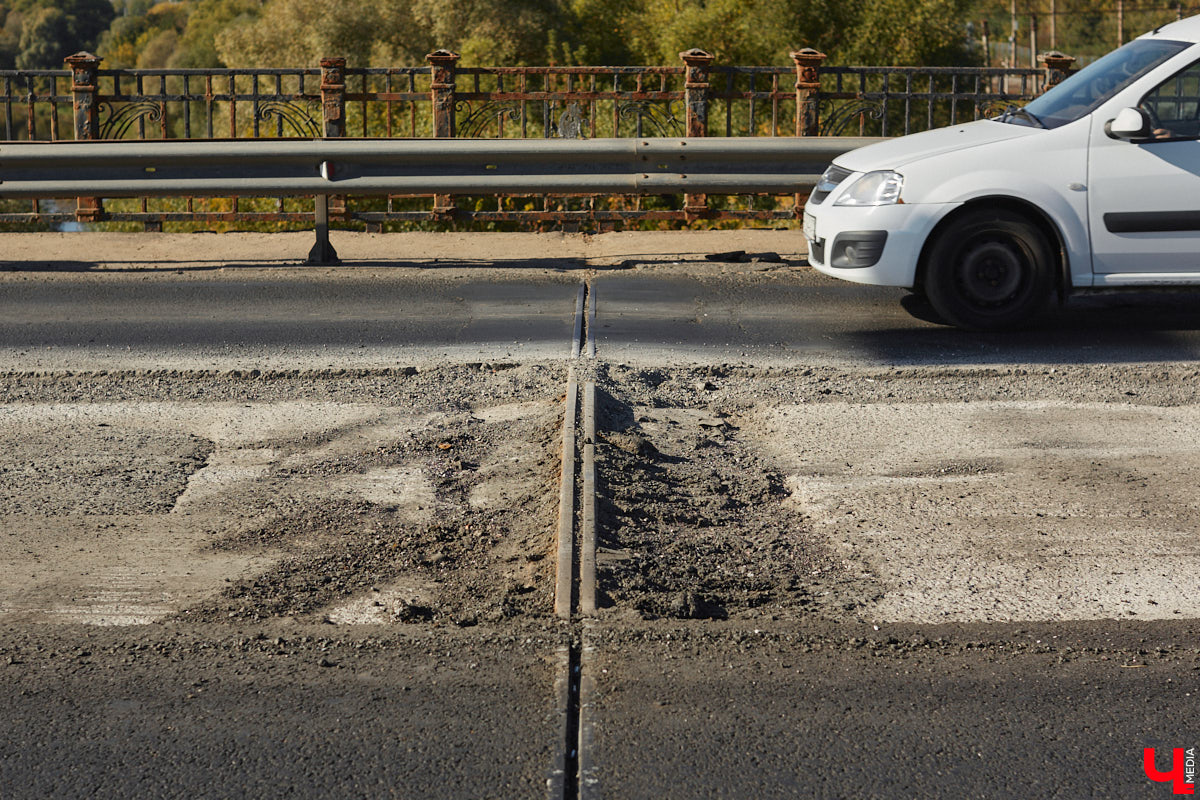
[(1053, 24), (1012, 36), (1033, 48), (1120, 22)]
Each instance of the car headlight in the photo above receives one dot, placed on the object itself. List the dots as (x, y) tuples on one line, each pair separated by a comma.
[(873, 189)]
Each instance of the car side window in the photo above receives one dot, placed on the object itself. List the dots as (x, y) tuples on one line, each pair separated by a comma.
[(1174, 105)]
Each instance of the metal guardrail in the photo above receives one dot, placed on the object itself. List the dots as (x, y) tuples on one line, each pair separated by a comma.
[(416, 166), (324, 167)]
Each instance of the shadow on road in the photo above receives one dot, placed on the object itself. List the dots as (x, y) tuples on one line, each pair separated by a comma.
[(1090, 328), (199, 265)]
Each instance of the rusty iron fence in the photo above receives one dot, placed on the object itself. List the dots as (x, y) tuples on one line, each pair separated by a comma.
[(442, 99)]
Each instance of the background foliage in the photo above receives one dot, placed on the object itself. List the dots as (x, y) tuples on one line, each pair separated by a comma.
[(38, 34)]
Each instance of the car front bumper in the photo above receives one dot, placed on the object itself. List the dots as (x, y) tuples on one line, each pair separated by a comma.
[(879, 245)]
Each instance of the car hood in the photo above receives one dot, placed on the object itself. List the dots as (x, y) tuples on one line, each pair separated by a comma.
[(895, 153)]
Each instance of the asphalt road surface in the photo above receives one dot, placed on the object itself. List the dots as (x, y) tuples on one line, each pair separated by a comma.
[(290, 318), (248, 455)]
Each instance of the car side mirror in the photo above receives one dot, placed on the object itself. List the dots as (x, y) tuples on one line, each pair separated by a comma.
[(1130, 124)]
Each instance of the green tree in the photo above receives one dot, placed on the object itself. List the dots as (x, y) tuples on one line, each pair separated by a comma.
[(165, 34), (39, 34), (10, 38), (43, 37), (886, 32), (197, 47), (510, 32), (158, 51), (594, 32), (299, 32), (132, 8), (908, 33), (735, 31), (147, 40)]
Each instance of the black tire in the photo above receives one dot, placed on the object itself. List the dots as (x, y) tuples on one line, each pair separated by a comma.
[(989, 270)]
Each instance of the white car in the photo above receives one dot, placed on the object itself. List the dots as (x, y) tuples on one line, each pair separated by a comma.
[(1095, 184)]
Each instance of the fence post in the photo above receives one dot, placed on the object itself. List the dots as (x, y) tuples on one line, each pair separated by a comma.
[(333, 96), (84, 90), (1058, 67), (808, 90), (333, 116), (696, 90), (695, 101), (442, 64)]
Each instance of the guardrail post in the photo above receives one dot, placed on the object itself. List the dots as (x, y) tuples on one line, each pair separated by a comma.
[(322, 252), (441, 63), (84, 85), (695, 94), (808, 90), (333, 116), (1058, 67)]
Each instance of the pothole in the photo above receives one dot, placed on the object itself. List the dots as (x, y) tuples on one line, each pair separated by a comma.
[(695, 524), (452, 525)]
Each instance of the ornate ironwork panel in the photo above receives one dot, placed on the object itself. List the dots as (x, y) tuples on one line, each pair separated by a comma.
[(301, 118), (116, 121), (473, 121), (661, 117), (839, 118)]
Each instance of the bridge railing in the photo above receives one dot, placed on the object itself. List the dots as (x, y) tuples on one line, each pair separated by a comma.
[(323, 167), (442, 99)]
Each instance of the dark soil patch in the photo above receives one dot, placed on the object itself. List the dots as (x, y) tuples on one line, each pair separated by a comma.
[(694, 524)]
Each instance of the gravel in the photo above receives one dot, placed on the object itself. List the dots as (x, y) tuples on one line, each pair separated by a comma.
[(427, 496)]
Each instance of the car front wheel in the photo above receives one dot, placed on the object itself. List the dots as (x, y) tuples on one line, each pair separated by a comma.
[(989, 270)]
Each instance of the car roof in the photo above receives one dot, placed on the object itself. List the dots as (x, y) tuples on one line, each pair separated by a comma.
[(1185, 30)]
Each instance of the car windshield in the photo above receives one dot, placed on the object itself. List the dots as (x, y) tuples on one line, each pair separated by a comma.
[(1084, 91)]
